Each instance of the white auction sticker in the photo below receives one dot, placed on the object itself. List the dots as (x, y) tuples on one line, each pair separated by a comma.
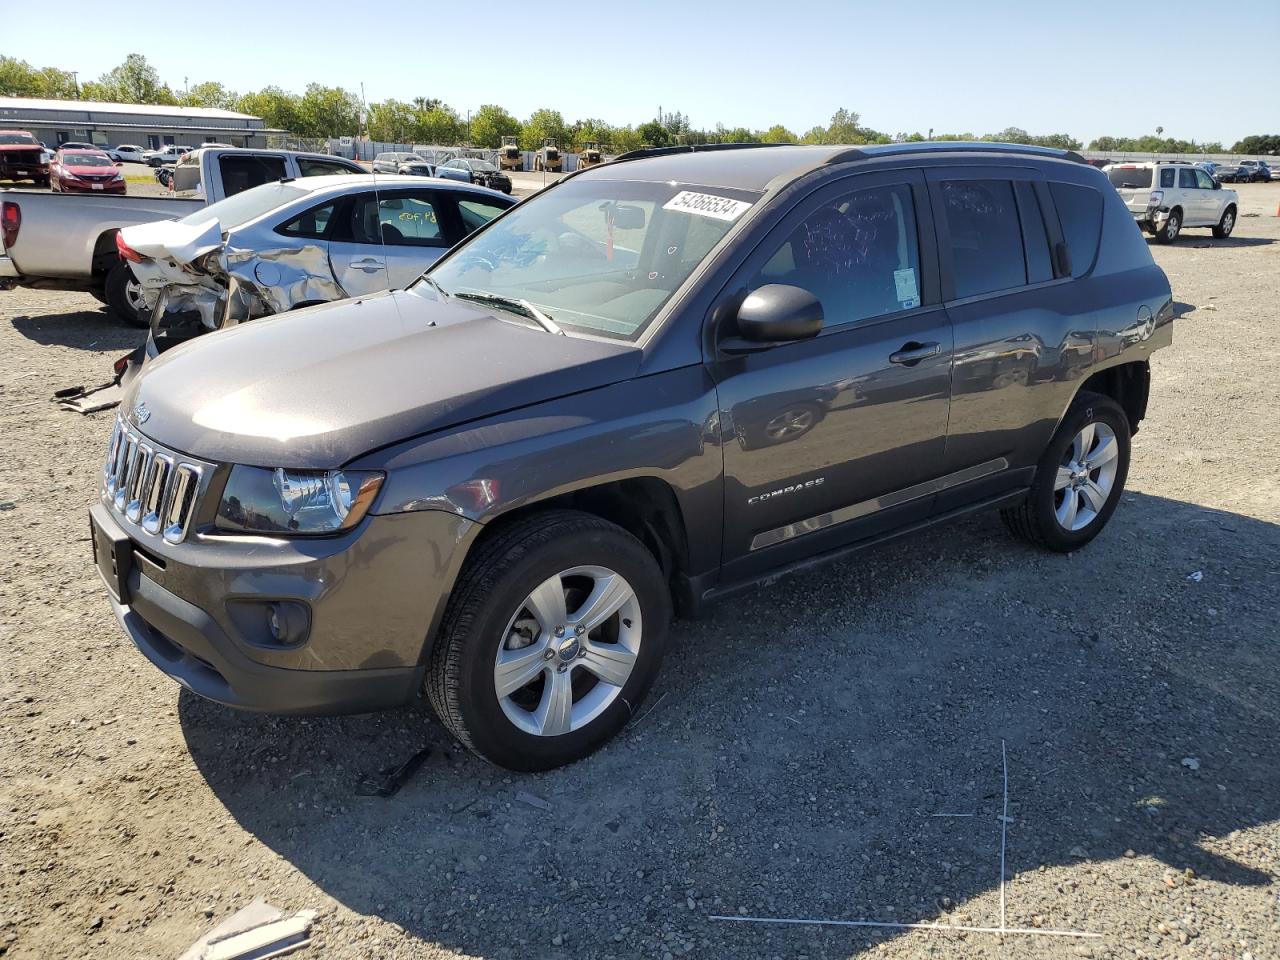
[(707, 205), (905, 283)]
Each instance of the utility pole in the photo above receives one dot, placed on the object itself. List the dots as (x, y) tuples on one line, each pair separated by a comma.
[(75, 79)]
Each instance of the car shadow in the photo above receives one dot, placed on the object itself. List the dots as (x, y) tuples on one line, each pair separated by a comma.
[(795, 750), (1199, 243), (81, 330)]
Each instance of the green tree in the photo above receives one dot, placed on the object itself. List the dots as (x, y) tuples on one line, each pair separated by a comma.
[(327, 112), (654, 134), (19, 78), (278, 108), (392, 121), (844, 128), (1257, 143), (778, 134), (490, 124), (210, 94), (541, 125), (134, 81), (440, 125), (625, 139)]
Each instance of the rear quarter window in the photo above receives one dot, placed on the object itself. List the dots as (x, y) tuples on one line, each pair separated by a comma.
[(1080, 214)]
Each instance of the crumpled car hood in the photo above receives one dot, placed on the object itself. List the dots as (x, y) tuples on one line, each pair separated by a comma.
[(315, 388)]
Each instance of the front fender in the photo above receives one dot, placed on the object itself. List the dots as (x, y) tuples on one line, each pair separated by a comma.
[(663, 426)]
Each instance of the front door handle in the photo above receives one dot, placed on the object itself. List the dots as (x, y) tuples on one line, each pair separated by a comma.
[(913, 352), (368, 264)]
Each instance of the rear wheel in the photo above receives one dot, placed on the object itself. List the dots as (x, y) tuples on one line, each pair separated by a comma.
[(1078, 480), (123, 295), (1226, 224), (553, 636), (1171, 228)]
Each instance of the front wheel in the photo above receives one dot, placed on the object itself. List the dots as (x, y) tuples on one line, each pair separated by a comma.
[(1172, 227), (1079, 479), (553, 637), (1226, 224)]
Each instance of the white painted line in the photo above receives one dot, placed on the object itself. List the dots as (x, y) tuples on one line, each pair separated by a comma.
[(935, 927), (1004, 828)]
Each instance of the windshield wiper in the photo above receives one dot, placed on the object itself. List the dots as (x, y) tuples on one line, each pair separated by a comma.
[(520, 306)]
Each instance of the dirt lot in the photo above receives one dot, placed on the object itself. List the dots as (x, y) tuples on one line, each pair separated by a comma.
[(798, 744)]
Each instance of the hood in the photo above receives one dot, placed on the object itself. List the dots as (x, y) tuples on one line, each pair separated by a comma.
[(318, 387)]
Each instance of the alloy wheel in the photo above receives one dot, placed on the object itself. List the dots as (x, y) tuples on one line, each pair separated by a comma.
[(568, 651), (1086, 477)]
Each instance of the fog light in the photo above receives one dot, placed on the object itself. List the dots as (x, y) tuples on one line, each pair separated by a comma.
[(287, 622)]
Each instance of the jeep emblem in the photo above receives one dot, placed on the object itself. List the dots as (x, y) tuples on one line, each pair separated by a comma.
[(140, 413)]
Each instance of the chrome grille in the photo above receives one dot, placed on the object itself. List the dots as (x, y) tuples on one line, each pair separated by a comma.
[(152, 488)]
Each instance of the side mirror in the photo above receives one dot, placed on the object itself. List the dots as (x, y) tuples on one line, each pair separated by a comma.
[(119, 164), (1217, 185), (778, 313)]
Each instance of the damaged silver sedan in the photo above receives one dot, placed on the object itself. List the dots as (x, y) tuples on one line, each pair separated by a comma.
[(296, 243)]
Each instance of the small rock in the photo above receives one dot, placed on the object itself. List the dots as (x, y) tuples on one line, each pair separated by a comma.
[(557, 940), (1129, 854), (1191, 763), (1080, 853)]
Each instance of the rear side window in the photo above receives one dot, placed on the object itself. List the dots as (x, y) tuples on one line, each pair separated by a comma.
[(1167, 175), (239, 173), (1035, 239), (858, 255), (1080, 213), (314, 223), (986, 240)]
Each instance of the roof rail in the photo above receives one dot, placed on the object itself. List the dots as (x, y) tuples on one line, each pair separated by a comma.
[(952, 146), (690, 148)]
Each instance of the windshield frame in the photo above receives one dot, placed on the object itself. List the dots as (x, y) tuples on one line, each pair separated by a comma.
[(658, 320)]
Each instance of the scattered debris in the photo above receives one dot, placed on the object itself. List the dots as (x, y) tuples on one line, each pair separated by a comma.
[(636, 722), (951, 814), (1191, 763), (255, 932), (1197, 576), (524, 796), (389, 780), (8, 505)]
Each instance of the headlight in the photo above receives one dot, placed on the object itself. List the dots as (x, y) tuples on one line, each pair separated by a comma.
[(292, 502)]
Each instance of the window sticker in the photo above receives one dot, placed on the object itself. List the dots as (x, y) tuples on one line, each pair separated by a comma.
[(905, 283), (707, 205)]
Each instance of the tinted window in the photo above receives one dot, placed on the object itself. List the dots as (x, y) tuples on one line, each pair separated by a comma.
[(476, 213), (239, 173), (404, 220), (1138, 177), (1167, 176), (1187, 178), (321, 168), (1035, 239), (986, 241), (858, 255), (1080, 214), (314, 223)]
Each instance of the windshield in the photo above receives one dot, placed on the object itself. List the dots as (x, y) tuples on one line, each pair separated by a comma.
[(602, 256), (483, 165), (248, 205), (86, 160), (1138, 177), (23, 138)]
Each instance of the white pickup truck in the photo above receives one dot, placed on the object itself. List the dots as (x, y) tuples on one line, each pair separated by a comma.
[(57, 241)]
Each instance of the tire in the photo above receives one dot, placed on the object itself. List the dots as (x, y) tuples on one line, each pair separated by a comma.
[(121, 294), (1226, 224), (1039, 518), (1171, 228), (489, 611)]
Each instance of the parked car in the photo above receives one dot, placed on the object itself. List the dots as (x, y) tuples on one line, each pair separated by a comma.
[(1231, 173), (495, 485), (128, 153), (1099, 162), (23, 157), (416, 168), (77, 145), (473, 170), (85, 171), (390, 162), (1254, 171), (291, 244), (169, 154), (1164, 197), (69, 243)]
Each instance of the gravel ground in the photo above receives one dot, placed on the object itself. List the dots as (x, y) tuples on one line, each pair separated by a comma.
[(793, 753)]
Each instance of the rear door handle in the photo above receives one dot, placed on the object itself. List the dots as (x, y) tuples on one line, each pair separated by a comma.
[(913, 352), (368, 264)]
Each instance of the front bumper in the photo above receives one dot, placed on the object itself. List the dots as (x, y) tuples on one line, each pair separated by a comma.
[(374, 596), (72, 186)]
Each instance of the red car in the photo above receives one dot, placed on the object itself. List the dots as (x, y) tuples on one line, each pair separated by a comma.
[(22, 158), (85, 171)]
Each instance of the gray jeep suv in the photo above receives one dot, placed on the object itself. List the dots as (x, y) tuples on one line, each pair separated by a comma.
[(658, 381)]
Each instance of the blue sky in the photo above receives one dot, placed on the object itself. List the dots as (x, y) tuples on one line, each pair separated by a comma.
[(1083, 69)]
